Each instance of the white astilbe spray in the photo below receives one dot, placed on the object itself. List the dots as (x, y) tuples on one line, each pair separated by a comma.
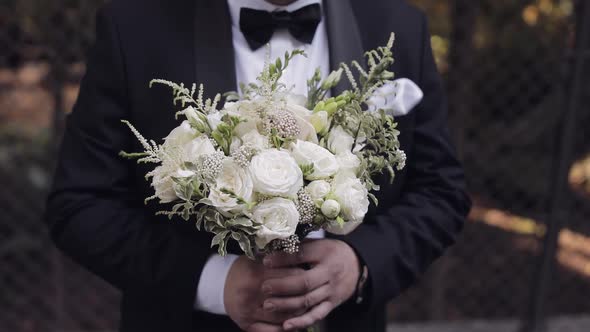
[(152, 152)]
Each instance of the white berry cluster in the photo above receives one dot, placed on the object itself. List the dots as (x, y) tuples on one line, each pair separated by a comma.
[(306, 207), (284, 122)]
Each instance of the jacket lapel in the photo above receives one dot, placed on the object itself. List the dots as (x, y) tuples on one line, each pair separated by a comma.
[(214, 53), (344, 37)]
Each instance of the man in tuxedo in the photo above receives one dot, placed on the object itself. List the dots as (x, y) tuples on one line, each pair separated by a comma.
[(170, 278)]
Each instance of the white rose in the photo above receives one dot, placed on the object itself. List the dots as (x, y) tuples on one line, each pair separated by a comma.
[(255, 140), (197, 147), (235, 179), (163, 185), (318, 189), (276, 173), (324, 162), (278, 218), (339, 140), (353, 197), (319, 121), (180, 135), (331, 209), (348, 161)]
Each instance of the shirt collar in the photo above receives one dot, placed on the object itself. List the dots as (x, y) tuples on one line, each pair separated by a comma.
[(236, 5)]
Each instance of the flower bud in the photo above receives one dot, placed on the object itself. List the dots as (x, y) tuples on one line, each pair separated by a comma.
[(319, 107), (331, 209), (331, 108), (317, 190), (332, 79), (319, 121)]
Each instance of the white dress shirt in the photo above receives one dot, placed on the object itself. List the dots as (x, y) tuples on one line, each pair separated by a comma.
[(248, 65)]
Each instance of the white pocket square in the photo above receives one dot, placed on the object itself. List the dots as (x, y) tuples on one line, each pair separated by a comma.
[(397, 97)]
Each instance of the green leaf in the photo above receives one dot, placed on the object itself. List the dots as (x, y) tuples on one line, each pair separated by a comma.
[(222, 247), (244, 243), (374, 199), (279, 64), (217, 239), (186, 214), (243, 222)]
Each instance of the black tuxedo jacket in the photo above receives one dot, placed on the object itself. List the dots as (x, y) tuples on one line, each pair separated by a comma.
[(96, 212)]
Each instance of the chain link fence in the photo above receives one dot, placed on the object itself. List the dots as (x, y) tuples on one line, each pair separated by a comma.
[(509, 68)]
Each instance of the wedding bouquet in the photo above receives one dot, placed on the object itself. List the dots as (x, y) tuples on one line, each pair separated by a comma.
[(268, 167)]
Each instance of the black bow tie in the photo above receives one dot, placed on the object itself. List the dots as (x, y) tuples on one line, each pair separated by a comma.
[(258, 26)]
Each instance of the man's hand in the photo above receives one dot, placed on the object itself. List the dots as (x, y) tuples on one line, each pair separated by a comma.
[(331, 281), (243, 297)]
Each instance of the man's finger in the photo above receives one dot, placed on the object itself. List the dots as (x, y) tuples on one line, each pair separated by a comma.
[(296, 285), (261, 315), (282, 272), (264, 327), (299, 303), (307, 254), (313, 316)]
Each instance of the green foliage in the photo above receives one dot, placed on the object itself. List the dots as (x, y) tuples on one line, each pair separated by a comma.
[(307, 170), (268, 80), (223, 134), (151, 152), (376, 130), (318, 89), (241, 229)]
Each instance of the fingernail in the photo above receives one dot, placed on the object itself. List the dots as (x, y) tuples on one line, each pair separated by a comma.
[(266, 289), (269, 306), (288, 326)]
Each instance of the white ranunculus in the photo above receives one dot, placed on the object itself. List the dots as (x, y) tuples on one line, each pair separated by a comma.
[(235, 179), (278, 218), (353, 197), (339, 140), (276, 173), (180, 135), (324, 162), (331, 209), (214, 119), (318, 189), (255, 140), (192, 150), (348, 161), (163, 185), (319, 121)]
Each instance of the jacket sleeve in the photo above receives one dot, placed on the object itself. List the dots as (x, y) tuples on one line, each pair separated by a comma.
[(94, 212), (408, 235)]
